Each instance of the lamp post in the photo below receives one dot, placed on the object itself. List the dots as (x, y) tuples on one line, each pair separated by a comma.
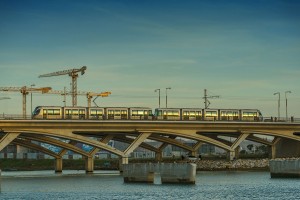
[(32, 85), (286, 104), (278, 104), (168, 88), (158, 96)]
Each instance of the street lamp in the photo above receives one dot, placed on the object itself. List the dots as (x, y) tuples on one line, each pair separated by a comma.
[(278, 104), (158, 96), (286, 112), (32, 85), (168, 88)]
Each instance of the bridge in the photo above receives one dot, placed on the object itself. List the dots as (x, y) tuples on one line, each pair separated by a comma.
[(67, 133)]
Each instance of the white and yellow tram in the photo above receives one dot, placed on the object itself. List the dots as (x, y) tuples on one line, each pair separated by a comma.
[(145, 113)]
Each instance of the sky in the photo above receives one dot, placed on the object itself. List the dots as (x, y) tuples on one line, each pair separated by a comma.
[(241, 51)]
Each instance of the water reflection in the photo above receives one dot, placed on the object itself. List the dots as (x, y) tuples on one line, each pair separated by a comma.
[(73, 184)]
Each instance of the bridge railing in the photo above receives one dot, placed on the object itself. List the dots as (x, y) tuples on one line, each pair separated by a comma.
[(14, 116), (281, 119), (264, 119)]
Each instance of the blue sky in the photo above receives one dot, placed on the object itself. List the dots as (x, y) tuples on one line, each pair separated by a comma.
[(243, 51)]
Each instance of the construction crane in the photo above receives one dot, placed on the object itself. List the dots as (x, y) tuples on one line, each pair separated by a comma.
[(89, 95), (2, 98), (74, 75), (24, 91)]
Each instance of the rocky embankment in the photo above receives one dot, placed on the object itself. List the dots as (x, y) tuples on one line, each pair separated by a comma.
[(239, 164)]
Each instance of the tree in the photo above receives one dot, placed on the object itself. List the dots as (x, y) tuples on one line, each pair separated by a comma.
[(250, 147)]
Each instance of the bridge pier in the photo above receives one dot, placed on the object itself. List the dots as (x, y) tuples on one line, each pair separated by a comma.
[(122, 161), (58, 165), (286, 148), (158, 156), (89, 164), (193, 153), (232, 155)]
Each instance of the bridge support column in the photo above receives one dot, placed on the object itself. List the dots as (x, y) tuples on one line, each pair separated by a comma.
[(89, 164), (273, 149), (122, 161), (58, 165), (158, 156), (231, 155), (194, 153), (237, 152)]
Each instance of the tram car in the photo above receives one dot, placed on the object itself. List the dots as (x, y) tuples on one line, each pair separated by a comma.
[(198, 114), (145, 113), (92, 113)]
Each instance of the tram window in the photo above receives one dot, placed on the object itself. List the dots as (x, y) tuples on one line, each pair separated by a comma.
[(165, 112), (56, 112), (96, 112), (37, 111), (192, 113), (140, 112), (75, 112), (124, 112), (250, 114), (198, 113), (93, 112), (111, 112), (50, 112), (211, 113), (45, 112), (172, 113), (81, 111), (146, 112), (117, 113), (185, 113), (134, 113), (158, 112)]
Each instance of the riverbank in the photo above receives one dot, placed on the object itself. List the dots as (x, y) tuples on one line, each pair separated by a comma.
[(239, 164), (48, 164), (113, 164)]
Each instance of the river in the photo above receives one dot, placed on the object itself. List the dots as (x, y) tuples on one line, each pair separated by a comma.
[(109, 185)]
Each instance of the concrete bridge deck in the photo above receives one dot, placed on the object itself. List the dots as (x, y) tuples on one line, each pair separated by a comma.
[(23, 132)]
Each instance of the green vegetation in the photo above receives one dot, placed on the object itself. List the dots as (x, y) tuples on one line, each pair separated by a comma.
[(48, 164)]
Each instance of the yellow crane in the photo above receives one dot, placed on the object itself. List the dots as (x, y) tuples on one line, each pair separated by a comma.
[(2, 98), (89, 95), (74, 75), (24, 91)]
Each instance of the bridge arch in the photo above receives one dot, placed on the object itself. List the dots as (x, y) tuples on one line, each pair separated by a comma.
[(75, 137)]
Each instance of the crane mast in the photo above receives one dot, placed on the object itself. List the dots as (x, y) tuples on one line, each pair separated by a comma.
[(74, 75)]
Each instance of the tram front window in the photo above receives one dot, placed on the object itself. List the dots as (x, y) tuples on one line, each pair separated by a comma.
[(36, 111)]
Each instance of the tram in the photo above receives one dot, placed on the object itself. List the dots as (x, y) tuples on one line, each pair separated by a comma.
[(198, 114), (145, 113), (96, 113)]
